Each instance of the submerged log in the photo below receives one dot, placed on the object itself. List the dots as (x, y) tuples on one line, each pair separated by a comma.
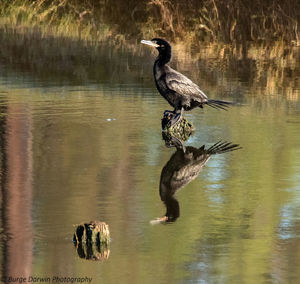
[(182, 130)]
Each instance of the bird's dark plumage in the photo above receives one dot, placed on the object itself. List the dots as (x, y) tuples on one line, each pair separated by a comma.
[(177, 89)]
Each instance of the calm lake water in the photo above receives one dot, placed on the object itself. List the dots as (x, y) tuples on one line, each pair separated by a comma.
[(74, 151)]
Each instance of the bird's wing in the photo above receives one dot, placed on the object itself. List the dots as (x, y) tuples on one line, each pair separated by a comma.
[(183, 85)]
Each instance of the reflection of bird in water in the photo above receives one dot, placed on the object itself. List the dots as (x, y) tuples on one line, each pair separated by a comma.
[(177, 89), (183, 167)]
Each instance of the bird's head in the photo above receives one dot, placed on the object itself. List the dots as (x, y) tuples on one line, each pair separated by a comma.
[(163, 47)]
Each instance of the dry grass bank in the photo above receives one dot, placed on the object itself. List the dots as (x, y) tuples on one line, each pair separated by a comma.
[(193, 20)]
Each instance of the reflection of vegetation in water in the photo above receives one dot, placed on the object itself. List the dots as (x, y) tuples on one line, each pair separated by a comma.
[(267, 68)]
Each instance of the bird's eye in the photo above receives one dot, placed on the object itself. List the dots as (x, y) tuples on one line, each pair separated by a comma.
[(162, 46)]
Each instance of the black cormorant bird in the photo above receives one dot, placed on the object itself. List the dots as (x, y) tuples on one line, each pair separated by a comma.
[(177, 89), (182, 168)]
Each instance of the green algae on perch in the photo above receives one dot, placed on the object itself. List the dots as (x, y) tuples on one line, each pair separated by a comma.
[(182, 130), (92, 232)]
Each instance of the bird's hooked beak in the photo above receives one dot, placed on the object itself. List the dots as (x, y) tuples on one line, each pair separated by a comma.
[(149, 42)]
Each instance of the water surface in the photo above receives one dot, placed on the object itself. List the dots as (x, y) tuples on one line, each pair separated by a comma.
[(73, 152)]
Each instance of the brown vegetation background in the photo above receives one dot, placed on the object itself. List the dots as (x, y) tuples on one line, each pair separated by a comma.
[(83, 41), (192, 20)]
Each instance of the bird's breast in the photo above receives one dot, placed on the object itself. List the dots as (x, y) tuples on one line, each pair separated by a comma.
[(159, 72), (159, 77), (161, 84)]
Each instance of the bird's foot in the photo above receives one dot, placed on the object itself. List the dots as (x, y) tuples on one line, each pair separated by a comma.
[(169, 113), (170, 118), (174, 119)]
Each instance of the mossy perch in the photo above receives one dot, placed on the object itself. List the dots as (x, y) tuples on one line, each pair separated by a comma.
[(93, 232), (182, 130)]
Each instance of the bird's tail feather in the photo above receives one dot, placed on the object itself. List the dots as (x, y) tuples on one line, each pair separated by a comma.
[(218, 104), (223, 147)]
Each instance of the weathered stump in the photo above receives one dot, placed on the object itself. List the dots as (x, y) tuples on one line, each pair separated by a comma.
[(93, 232), (92, 240), (182, 130)]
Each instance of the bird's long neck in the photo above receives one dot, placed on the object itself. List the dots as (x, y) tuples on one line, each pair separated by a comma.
[(164, 57)]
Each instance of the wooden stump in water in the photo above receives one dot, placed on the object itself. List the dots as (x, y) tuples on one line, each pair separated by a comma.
[(92, 240), (93, 232), (182, 130)]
